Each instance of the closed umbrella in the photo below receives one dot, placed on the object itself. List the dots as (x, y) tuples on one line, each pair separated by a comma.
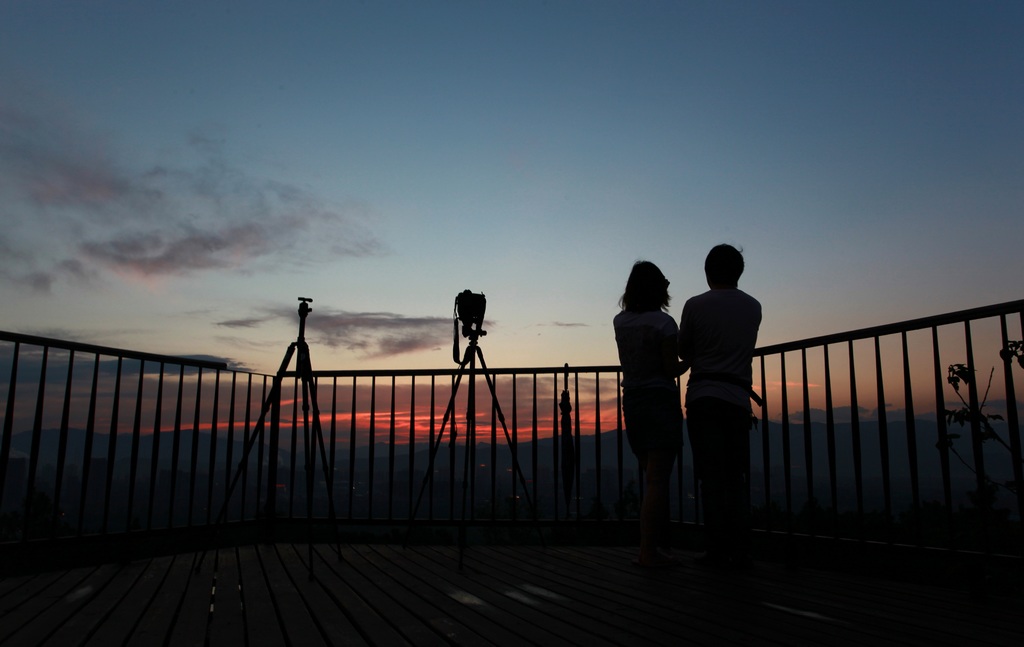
[(568, 445)]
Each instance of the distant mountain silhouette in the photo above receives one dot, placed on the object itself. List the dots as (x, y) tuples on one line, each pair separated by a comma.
[(928, 456)]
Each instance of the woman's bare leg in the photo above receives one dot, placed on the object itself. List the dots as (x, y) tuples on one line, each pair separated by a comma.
[(652, 510)]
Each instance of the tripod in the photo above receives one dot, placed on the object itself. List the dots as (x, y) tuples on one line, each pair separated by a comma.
[(473, 353), (272, 405)]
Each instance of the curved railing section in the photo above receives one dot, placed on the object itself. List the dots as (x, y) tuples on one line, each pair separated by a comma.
[(906, 433)]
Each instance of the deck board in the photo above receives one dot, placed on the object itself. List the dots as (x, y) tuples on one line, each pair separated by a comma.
[(158, 619), (192, 618), (331, 620), (379, 594), (227, 616), (555, 611), (438, 595), (120, 624), (559, 591), (378, 601), (49, 608), (297, 624), (414, 601), (260, 616), (98, 605), (487, 597)]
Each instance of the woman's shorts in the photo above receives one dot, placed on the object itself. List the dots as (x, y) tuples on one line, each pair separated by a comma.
[(654, 419)]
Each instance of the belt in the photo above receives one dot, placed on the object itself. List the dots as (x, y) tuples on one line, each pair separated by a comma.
[(729, 378)]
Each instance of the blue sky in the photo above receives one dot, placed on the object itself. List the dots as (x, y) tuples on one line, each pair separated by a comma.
[(174, 175)]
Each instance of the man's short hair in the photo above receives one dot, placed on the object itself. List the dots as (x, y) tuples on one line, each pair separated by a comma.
[(724, 265)]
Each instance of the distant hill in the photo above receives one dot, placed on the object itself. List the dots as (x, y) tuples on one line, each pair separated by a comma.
[(928, 462)]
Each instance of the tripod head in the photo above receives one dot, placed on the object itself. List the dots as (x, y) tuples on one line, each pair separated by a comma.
[(469, 309), (304, 311)]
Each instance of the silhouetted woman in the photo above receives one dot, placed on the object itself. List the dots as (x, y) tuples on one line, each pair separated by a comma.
[(646, 337)]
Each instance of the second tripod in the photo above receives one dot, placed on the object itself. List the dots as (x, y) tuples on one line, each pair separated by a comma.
[(469, 309), (313, 439)]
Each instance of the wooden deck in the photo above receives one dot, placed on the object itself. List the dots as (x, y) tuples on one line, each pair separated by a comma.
[(387, 595)]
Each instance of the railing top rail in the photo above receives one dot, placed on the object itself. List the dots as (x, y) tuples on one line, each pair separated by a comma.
[(451, 372), (33, 340), (1010, 307)]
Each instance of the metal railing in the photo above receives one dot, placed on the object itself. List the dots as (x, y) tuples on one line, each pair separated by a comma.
[(854, 440), (894, 452)]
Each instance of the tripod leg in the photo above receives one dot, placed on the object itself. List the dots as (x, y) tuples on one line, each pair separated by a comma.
[(508, 439), (329, 478), (448, 415), (318, 441), (257, 434), (310, 452), (468, 477)]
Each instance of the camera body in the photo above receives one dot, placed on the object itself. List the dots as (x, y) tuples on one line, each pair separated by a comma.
[(470, 308)]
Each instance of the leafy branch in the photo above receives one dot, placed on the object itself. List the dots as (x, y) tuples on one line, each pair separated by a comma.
[(958, 374), (1013, 350), (961, 373)]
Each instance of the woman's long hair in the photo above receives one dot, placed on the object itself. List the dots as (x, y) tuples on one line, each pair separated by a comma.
[(646, 289)]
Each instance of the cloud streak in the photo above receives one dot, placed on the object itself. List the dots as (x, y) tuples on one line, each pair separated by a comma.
[(381, 334), (81, 217), (370, 335)]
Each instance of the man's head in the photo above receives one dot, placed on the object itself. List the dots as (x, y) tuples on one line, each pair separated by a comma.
[(723, 266)]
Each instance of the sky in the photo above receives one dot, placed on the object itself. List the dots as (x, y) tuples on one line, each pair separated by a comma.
[(174, 175)]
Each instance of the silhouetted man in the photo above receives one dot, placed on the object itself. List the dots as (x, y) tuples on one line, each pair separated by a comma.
[(717, 334)]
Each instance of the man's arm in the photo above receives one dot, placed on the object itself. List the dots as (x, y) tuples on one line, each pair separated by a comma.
[(684, 340), (670, 360)]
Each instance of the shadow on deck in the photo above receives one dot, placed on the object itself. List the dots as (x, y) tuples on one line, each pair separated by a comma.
[(388, 595)]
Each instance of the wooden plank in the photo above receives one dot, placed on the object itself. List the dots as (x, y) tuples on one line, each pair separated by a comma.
[(936, 615), (193, 609), (333, 621), (10, 584), (597, 583), (24, 587), (560, 596), (121, 623), (689, 604), (435, 597), (20, 607), (563, 621), (392, 605), (666, 599), (518, 620), (227, 617), (162, 612), (263, 628), (97, 606), (296, 621), (807, 608), (45, 612)]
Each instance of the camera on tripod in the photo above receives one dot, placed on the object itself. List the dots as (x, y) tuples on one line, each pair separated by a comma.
[(469, 309)]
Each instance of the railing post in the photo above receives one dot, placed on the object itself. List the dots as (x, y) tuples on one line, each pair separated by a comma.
[(830, 437), (33, 461), (977, 444), (8, 432), (1012, 419), (911, 429), (270, 508), (883, 440), (943, 439)]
